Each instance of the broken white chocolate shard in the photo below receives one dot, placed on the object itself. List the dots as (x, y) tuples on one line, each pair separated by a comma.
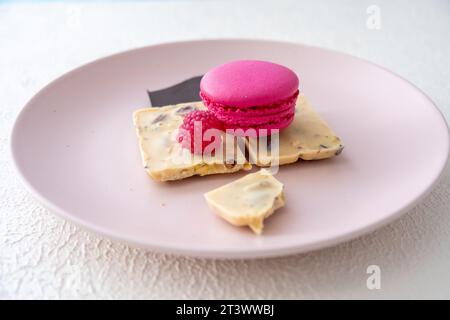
[(247, 201), (163, 157), (308, 138)]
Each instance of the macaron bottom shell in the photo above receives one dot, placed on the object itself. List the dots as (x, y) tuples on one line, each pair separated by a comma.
[(260, 130), (248, 121)]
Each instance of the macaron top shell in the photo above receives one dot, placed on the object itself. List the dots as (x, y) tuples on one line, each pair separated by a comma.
[(249, 83)]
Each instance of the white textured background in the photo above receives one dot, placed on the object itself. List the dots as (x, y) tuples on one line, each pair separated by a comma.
[(42, 256)]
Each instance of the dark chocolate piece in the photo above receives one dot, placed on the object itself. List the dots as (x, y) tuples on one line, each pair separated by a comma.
[(186, 91)]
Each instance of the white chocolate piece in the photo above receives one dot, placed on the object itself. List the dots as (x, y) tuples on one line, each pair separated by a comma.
[(247, 201), (307, 138), (163, 157)]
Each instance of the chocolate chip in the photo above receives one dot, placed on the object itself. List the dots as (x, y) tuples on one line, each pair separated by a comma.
[(230, 163), (159, 118), (338, 152), (184, 110), (324, 146)]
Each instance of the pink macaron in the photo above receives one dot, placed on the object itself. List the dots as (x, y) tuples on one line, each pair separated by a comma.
[(251, 94)]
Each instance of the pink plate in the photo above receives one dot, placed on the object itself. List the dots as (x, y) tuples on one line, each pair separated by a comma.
[(75, 147)]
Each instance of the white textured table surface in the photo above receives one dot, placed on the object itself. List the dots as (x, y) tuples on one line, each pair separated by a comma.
[(43, 256)]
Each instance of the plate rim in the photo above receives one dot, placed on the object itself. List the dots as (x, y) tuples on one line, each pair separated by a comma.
[(223, 253)]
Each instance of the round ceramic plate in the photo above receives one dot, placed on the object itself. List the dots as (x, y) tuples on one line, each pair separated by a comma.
[(76, 149)]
